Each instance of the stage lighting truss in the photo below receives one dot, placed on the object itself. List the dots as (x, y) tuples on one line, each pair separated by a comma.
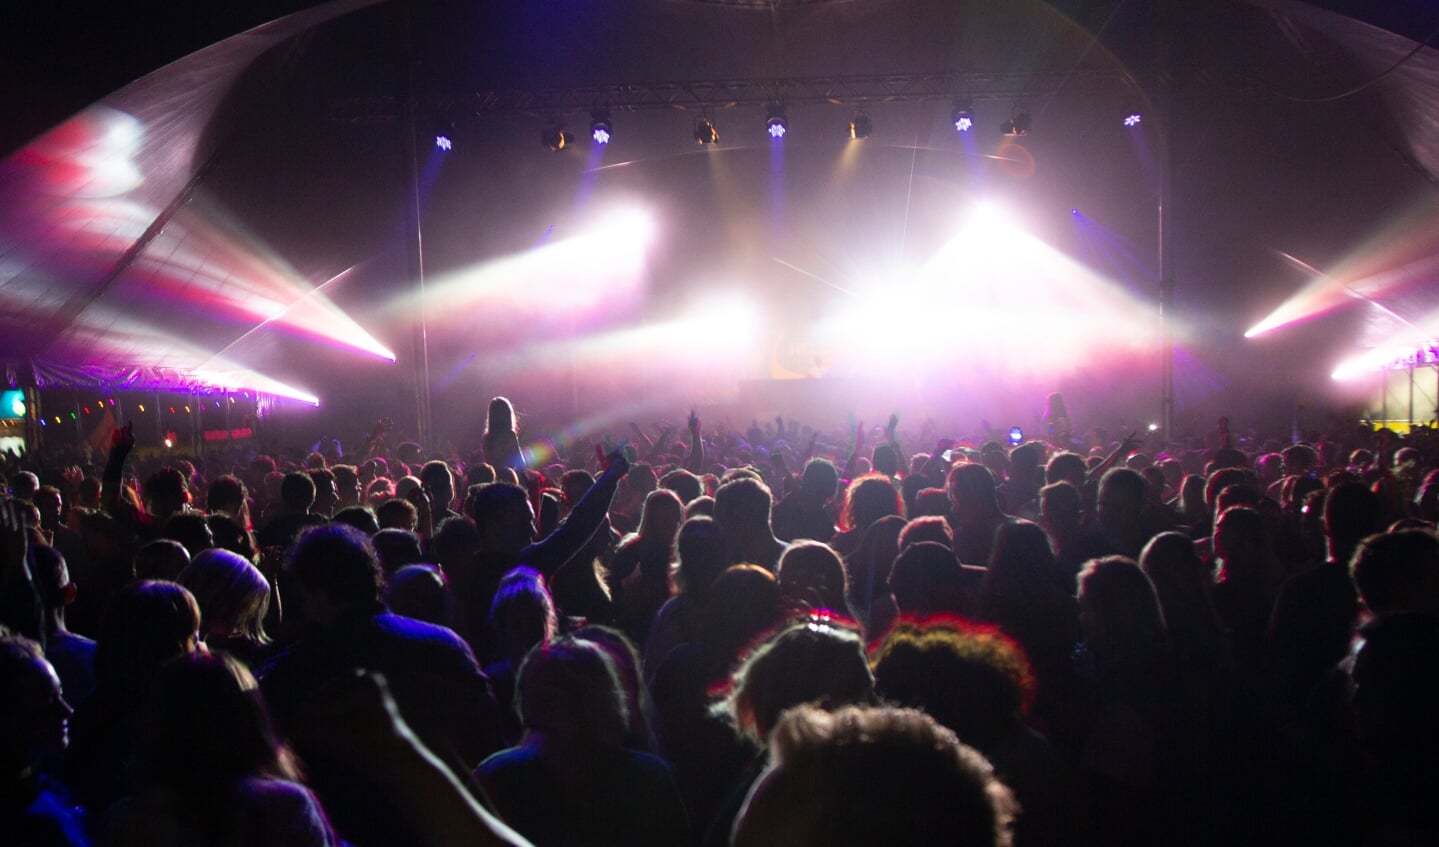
[(1018, 123), (555, 139), (601, 129), (962, 116), (775, 122), (860, 126), (705, 132)]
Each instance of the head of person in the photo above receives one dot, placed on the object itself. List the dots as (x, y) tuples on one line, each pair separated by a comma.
[(1182, 583), (838, 777), (742, 507), (885, 459), (23, 486), (1061, 509), (930, 502), (297, 492), (34, 715), (683, 483), (1119, 610), (522, 613), (818, 660), (51, 504), (347, 484), (337, 569), (206, 725), (226, 494), (1241, 543), (1299, 460), (230, 535), (812, 576), (975, 680), (742, 604), (503, 517), (234, 596), (820, 480), (362, 518), (1352, 512), (568, 690), (501, 416), (191, 530), (868, 499), (661, 516), (455, 542), (700, 549), (1398, 572), (439, 481), (972, 491), (926, 528), (397, 548), (327, 491), (1066, 467), (52, 578), (626, 657), (926, 579), (146, 624), (397, 513), (165, 492), (1022, 560), (420, 592), (161, 559), (1121, 497)]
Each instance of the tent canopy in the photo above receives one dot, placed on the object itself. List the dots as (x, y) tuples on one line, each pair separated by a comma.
[(239, 217)]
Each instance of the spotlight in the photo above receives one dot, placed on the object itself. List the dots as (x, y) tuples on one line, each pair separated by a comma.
[(859, 126), (1133, 119), (775, 123), (443, 142), (962, 116), (555, 138), (705, 132), (1018, 124), (600, 127)]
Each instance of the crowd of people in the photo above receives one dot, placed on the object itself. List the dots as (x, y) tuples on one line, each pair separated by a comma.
[(775, 635)]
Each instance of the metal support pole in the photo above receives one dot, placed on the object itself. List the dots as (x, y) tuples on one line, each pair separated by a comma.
[(420, 336)]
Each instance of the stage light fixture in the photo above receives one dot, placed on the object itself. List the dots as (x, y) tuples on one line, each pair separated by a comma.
[(555, 138), (775, 123), (600, 127), (860, 126), (1018, 123), (1133, 119), (963, 116), (443, 142), (705, 132)]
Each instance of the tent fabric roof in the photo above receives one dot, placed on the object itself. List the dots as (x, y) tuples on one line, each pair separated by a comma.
[(110, 265)]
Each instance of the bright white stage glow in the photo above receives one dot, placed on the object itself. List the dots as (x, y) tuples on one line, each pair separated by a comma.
[(1380, 358), (603, 264), (993, 294)]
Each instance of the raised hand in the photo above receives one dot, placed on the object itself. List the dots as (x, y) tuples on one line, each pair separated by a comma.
[(124, 437)]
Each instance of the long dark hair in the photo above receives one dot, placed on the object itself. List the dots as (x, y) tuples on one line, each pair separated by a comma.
[(206, 729)]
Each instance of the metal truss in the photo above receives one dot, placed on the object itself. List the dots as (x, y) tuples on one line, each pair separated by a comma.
[(712, 95)]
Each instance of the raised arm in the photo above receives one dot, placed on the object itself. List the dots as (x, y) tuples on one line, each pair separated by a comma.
[(1125, 447), (575, 531), (695, 461), (853, 463)]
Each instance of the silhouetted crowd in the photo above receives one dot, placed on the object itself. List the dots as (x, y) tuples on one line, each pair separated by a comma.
[(780, 635)]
